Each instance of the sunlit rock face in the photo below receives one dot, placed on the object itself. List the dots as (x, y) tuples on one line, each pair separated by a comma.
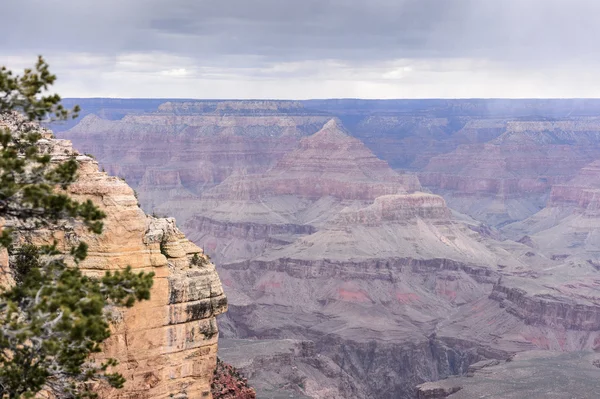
[(166, 346)]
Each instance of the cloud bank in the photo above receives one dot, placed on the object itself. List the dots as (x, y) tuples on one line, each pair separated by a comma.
[(309, 48)]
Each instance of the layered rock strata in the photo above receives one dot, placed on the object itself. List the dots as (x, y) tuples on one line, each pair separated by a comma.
[(181, 149), (509, 178), (364, 276), (326, 246), (327, 173), (166, 346), (581, 191)]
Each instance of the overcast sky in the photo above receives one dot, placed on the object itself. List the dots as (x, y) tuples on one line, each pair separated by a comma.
[(300, 49)]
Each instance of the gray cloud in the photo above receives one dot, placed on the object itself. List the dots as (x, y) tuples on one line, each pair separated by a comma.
[(254, 38)]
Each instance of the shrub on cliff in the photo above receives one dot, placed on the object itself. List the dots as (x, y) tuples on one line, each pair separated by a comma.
[(229, 384), (52, 317)]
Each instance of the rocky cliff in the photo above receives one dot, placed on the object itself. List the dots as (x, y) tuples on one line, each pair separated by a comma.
[(166, 346)]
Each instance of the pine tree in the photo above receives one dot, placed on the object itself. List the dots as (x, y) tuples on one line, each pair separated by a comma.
[(53, 317)]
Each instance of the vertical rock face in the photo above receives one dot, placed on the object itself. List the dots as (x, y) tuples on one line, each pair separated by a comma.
[(166, 346)]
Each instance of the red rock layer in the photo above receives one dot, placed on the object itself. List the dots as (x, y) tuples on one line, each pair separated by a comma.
[(530, 157), (229, 384), (581, 191)]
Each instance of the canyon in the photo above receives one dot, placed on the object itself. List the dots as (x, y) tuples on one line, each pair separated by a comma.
[(366, 247)]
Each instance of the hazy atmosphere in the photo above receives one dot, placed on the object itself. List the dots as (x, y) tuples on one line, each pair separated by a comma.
[(300, 199), (309, 48)]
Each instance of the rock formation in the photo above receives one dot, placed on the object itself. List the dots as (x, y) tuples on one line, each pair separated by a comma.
[(509, 178), (378, 284), (181, 149), (328, 172), (345, 279), (535, 375), (495, 160), (166, 346), (333, 248)]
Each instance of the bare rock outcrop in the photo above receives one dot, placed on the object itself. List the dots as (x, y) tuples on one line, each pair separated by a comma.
[(166, 346)]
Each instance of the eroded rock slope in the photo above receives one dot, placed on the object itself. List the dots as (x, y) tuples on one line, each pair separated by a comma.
[(347, 279), (334, 249)]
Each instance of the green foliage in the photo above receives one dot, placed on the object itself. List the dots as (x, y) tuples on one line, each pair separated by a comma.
[(22, 93), (28, 178), (54, 317)]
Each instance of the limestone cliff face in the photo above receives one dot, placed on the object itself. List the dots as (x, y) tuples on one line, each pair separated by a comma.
[(166, 346)]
